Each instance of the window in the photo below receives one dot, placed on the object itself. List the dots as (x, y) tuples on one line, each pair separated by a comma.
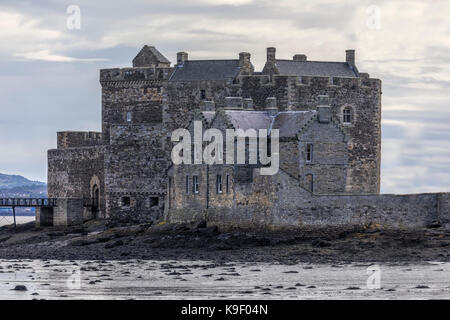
[(126, 201), (310, 182), (309, 152), (129, 116), (347, 115), (219, 183), (203, 94), (187, 184), (195, 184), (154, 201), (228, 183)]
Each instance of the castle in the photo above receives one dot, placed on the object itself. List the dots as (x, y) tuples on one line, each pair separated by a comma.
[(329, 119)]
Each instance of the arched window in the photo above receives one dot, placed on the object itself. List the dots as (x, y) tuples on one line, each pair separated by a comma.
[(309, 182), (347, 115)]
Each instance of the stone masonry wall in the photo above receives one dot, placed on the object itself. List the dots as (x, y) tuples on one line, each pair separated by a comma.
[(363, 95), (70, 174), (278, 202)]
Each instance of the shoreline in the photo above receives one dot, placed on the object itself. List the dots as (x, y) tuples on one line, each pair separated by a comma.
[(103, 240)]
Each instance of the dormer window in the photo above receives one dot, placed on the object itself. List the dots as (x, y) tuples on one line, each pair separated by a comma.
[(347, 115)]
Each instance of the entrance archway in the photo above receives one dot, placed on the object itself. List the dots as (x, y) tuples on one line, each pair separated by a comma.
[(95, 194)]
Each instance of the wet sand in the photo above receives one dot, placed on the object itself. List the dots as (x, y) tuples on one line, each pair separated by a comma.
[(138, 279)]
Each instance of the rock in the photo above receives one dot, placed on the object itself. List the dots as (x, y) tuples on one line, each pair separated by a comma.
[(20, 288), (201, 224), (114, 244)]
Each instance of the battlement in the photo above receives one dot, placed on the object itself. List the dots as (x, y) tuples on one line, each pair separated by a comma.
[(321, 81), (74, 139), (135, 74)]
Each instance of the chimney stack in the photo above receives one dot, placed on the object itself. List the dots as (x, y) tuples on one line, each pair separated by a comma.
[(271, 105), (244, 59), (248, 104), (181, 58), (323, 109), (233, 103), (299, 57), (271, 54), (350, 57)]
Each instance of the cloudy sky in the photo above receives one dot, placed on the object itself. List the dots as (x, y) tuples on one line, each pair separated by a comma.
[(49, 72)]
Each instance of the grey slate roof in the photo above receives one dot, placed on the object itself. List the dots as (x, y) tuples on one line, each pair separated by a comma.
[(315, 68), (194, 70), (249, 119), (290, 122), (156, 53)]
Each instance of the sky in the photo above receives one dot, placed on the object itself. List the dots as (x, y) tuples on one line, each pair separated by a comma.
[(49, 78)]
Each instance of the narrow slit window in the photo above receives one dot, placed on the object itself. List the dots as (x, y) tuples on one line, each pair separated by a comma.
[(187, 184), (195, 184), (347, 115), (126, 201), (219, 183), (309, 152), (228, 183), (129, 117), (203, 94)]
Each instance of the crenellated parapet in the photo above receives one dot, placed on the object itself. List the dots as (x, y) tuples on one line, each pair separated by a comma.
[(138, 74), (75, 139)]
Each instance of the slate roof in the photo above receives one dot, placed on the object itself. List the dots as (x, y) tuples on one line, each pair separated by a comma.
[(194, 70), (249, 119), (149, 53), (288, 122), (315, 68)]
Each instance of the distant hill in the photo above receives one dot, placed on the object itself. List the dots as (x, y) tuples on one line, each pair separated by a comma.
[(21, 187)]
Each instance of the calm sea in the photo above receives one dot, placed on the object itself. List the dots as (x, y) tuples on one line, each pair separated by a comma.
[(4, 220)]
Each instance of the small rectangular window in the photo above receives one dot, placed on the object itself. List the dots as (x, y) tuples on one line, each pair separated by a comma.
[(128, 116), (195, 184), (309, 152), (219, 183), (347, 115), (154, 201), (126, 201), (203, 94), (187, 184)]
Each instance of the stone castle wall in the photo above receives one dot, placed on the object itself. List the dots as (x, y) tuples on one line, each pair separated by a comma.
[(277, 202)]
